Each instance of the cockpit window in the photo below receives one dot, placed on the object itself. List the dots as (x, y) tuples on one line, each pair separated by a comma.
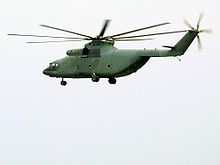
[(53, 65)]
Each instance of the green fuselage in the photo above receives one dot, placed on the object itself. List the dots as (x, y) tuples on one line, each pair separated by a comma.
[(109, 62), (104, 60)]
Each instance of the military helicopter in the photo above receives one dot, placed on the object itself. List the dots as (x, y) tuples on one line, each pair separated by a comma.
[(100, 59)]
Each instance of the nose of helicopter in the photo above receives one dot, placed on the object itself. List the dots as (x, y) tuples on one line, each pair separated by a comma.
[(45, 71)]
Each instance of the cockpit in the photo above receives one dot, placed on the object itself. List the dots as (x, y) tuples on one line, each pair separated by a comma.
[(52, 69), (53, 66)]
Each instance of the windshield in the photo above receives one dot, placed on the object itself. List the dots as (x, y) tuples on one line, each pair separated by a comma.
[(53, 65)]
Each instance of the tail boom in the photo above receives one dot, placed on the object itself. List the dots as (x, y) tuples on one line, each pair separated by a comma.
[(181, 47), (177, 50)]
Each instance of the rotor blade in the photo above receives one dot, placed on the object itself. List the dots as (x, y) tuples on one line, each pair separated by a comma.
[(132, 31), (153, 34), (133, 39), (30, 35), (33, 42), (66, 31), (186, 22), (105, 26), (200, 18), (210, 31), (199, 43)]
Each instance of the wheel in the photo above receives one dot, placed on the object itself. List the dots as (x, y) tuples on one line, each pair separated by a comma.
[(63, 83), (95, 78), (112, 80)]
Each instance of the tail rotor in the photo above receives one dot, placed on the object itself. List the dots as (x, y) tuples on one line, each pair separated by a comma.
[(209, 31)]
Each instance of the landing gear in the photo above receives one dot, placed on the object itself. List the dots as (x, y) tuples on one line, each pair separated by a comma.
[(112, 80), (95, 78), (63, 82)]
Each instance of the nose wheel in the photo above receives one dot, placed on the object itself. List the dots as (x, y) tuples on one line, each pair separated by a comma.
[(112, 80), (63, 83)]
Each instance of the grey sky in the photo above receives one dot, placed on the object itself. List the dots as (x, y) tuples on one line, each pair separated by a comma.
[(166, 113)]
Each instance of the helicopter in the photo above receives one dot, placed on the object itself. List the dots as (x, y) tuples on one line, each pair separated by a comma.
[(101, 59)]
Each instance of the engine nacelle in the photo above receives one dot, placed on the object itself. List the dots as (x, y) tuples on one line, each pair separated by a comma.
[(74, 52)]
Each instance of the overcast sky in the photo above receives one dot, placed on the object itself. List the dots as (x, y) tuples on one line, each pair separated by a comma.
[(166, 113)]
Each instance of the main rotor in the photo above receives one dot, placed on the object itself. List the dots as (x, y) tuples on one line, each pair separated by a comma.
[(115, 37), (100, 36)]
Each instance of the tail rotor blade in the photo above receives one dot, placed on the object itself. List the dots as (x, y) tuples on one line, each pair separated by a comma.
[(186, 22), (210, 31), (199, 43), (200, 18)]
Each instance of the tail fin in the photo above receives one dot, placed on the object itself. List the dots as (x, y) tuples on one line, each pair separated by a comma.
[(181, 47)]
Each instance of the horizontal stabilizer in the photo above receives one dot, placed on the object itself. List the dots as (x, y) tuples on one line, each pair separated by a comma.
[(171, 47)]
